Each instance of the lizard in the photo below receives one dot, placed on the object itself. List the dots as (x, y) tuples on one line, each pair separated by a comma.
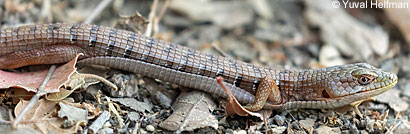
[(259, 87)]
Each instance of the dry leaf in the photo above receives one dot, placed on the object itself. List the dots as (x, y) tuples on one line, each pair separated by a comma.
[(133, 104), (41, 117), (64, 93), (191, 112), (72, 113), (32, 80), (234, 107), (76, 81), (92, 110), (18, 93)]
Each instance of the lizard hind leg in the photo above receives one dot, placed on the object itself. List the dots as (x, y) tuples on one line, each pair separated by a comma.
[(266, 90)]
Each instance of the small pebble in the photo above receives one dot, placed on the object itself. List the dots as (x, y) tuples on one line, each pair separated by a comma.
[(106, 131), (107, 124), (369, 125), (229, 131), (363, 122), (150, 128), (346, 124), (295, 126), (365, 132), (280, 120), (345, 132), (241, 132), (163, 100), (356, 121), (279, 130), (353, 130)]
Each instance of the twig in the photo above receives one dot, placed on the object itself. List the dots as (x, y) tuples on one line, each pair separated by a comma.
[(160, 15), (151, 18), (103, 4), (390, 131), (45, 15), (163, 9), (99, 78), (4, 122), (33, 101), (219, 50)]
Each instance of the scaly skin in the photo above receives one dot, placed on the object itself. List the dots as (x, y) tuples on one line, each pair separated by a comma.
[(329, 87)]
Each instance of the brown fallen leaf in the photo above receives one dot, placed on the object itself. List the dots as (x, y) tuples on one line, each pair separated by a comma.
[(32, 80), (233, 106), (16, 94), (192, 111), (42, 117)]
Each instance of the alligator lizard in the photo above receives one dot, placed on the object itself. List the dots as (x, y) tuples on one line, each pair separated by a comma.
[(329, 87)]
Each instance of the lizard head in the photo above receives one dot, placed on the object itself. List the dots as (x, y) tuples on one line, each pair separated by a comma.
[(360, 79), (342, 85)]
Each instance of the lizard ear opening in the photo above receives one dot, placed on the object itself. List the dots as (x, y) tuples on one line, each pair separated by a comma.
[(325, 94)]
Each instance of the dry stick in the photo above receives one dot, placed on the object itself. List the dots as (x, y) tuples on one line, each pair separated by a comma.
[(160, 15), (163, 9), (219, 50), (4, 122), (35, 98), (103, 80), (394, 127), (45, 15), (151, 18), (391, 129), (103, 4)]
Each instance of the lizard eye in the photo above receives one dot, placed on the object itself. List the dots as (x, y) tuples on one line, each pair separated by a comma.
[(364, 80)]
